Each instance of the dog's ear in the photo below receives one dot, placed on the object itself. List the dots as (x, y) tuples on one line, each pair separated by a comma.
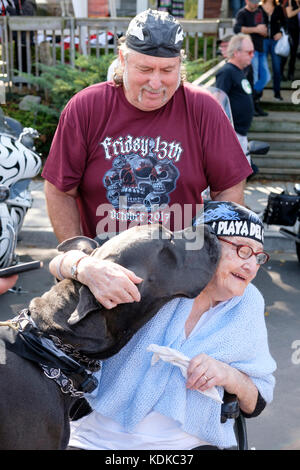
[(85, 244), (87, 304)]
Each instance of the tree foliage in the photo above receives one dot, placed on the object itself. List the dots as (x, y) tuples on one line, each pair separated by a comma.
[(60, 82)]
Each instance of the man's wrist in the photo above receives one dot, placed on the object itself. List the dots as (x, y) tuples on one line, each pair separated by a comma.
[(75, 266), (66, 264)]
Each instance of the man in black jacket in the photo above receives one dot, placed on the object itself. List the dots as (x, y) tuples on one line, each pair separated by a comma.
[(250, 20)]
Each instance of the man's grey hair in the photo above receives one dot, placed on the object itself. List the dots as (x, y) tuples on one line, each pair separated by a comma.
[(236, 44), (125, 50)]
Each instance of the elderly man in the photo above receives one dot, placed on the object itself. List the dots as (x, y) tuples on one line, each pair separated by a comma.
[(124, 152), (232, 80), (140, 149), (250, 20)]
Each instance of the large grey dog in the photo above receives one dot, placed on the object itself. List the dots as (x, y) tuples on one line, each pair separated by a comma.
[(34, 413)]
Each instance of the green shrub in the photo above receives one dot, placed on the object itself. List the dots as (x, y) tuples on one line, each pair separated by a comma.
[(60, 82), (197, 67)]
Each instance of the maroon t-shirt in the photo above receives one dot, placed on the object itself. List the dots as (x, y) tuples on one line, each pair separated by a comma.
[(133, 166)]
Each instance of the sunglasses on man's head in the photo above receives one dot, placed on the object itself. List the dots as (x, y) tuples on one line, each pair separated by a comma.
[(245, 252)]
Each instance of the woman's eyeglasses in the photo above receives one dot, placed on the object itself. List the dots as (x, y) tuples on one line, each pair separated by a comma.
[(245, 252)]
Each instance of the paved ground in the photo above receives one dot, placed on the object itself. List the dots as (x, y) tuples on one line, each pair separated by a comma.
[(279, 425)]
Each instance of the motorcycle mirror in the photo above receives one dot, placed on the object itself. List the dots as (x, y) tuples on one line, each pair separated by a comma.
[(258, 148)]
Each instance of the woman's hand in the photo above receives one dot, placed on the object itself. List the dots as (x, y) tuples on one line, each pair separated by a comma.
[(205, 372), (277, 36), (110, 283)]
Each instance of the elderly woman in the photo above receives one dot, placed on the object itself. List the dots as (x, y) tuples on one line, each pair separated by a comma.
[(141, 405)]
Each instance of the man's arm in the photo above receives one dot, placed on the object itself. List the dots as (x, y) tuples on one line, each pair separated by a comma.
[(239, 26), (63, 212), (234, 194), (258, 29)]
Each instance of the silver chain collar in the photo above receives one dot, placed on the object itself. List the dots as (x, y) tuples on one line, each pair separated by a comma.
[(23, 321)]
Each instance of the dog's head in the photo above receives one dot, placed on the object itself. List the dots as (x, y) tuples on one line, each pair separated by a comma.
[(168, 267)]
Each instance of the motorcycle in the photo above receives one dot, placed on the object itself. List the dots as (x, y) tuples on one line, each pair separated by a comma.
[(284, 209), (19, 163)]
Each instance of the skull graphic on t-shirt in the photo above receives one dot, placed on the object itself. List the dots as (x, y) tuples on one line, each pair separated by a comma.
[(144, 181)]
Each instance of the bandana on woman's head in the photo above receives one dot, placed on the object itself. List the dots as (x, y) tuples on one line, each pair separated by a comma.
[(232, 220)]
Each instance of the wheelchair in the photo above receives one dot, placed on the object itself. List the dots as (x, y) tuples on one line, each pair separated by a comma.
[(230, 410)]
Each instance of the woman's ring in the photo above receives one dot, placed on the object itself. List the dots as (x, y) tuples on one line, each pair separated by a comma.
[(206, 379)]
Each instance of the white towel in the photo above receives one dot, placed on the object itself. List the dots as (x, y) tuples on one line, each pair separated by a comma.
[(180, 360)]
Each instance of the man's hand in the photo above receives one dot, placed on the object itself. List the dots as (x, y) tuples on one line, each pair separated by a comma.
[(110, 283), (262, 29), (7, 283)]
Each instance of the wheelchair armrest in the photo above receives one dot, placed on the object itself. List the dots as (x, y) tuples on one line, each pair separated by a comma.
[(230, 407), (241, 432), (231, 410)]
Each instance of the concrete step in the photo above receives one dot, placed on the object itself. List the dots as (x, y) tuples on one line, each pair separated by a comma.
[(275, 116), (282, 131), (283, 146), (277, 173), (290, 96), (277, 159), (281, 122), (278, 139), (282, 125)]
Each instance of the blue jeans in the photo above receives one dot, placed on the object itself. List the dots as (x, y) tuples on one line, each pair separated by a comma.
[(261, 73), (269, 46), (236, 5)]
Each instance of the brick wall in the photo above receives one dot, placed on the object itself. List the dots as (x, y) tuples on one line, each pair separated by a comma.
[(212, 8), (97, 8)]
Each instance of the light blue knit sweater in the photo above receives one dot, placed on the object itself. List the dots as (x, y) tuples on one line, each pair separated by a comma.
[(130, 387)]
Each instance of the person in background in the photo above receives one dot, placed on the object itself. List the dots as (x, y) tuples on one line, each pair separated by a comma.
[(231, 78), (250, 20), (275, 20), (292, 9)]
